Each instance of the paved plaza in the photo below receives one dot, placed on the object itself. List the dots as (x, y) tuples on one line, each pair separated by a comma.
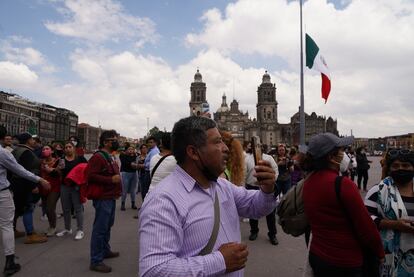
[(67, 257)]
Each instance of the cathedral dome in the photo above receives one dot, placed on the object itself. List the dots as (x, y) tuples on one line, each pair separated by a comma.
[(197, 77), (266, 78), (223, 109)]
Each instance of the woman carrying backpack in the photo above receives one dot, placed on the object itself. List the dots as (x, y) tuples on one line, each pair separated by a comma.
[(342, 229)]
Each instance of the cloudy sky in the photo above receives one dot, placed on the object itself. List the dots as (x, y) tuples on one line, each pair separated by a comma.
[(118, 63)]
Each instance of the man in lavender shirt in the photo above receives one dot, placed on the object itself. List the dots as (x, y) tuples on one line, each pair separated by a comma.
[(177, 217)]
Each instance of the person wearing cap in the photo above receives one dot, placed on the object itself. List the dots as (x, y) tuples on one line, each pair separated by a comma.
[(8, 162), (391, 205), (341, 228), (26, 193)]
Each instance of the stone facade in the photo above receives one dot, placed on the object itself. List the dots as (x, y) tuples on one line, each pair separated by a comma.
[(266, 124)]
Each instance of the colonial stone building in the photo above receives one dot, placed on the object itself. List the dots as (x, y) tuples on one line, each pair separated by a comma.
[(266, 124)]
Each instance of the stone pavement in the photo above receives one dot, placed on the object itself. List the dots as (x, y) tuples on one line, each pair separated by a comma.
[(67, 257)]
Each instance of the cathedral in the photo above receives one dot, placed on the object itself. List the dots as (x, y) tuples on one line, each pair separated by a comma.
[(265, 125)]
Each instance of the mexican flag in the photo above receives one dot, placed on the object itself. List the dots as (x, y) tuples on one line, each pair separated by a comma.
[(314, 60)]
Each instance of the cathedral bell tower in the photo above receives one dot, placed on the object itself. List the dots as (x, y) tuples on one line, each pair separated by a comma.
[(198, 95), (266, 101)]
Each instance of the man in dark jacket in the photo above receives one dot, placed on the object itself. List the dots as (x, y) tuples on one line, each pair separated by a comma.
[(26, 193), (104, 187)]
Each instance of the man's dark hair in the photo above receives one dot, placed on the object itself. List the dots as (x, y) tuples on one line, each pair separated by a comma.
[(151, 138), (189, 131), (166, 141), (105, 136), (3, 132)]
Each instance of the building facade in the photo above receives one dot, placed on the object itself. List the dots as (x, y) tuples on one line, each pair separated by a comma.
[(50, 123), (198, 95), (89, 136), (265, 125)]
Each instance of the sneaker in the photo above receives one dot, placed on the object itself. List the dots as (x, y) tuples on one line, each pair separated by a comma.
[(44, 217), (19, 234), (79, 235), (111, 254), (35, 238), (51, 232), (64, 232), (245, 220), (101, 267), (59, 215)]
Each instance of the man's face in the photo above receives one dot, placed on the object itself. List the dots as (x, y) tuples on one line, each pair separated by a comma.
[(215, 153), (151, 143), (31, 143), (8, 141)]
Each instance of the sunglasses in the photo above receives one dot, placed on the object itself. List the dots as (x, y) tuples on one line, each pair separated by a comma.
[(399, 152)]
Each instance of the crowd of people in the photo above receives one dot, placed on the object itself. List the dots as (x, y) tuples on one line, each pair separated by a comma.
[(197, 185)]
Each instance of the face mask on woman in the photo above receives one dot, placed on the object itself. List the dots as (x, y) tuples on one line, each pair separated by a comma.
[(46, 153), (402, 176)]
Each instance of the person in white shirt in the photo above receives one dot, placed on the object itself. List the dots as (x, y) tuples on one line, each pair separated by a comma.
[(165, 166), (251, 183)]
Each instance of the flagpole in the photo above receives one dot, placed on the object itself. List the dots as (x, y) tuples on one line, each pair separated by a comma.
[(302, 97)]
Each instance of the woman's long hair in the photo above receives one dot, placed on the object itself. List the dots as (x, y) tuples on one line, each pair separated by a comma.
[(236, 158)]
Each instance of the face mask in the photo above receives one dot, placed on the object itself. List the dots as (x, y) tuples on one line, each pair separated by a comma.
[(46, 153), (402, 176), (344, 163), (206, 171), (59, 153), (115, 145), (74, 143)]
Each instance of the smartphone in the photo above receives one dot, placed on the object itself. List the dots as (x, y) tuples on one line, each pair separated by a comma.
[(256, 149)]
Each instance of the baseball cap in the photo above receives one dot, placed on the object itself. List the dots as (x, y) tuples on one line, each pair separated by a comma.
[(23, 137), (322, 144)]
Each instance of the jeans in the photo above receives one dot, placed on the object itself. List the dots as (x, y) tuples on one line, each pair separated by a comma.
[(28, 219), (101, 231), (284, 186), (70, 196), (129, 184), (6, 221)]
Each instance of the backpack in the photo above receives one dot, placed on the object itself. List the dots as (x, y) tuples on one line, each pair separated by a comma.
[(291, 211), (94, 191)]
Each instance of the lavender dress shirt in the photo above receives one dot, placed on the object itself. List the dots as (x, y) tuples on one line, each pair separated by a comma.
[(177, 219)]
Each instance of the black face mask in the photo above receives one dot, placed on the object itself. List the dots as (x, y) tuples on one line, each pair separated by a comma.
[(402, 176), (207, 172), (59, 153), (114, 145)]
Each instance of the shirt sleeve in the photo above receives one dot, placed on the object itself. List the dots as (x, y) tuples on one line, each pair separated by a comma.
[(362, 223), (161, 238), (9, 162), (253, 203)]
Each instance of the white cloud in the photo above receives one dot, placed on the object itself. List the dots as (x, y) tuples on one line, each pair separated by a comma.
[(368, 45), (100, 21), (16, 75), (17, 49)]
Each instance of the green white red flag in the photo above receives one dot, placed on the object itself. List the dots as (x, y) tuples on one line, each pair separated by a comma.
[(314, 60)]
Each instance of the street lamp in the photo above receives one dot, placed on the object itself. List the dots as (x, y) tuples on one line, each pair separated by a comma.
[(32, 129)]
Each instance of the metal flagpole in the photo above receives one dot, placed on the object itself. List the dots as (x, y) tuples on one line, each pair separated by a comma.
[(302, 97)]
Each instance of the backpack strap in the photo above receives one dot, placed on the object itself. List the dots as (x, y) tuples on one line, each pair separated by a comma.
[(157, 165), (338, 182)]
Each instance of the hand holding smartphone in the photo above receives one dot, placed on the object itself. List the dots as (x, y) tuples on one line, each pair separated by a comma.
[(256, 149)]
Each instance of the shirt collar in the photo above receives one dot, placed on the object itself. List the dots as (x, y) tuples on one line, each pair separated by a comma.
[(188, 181)]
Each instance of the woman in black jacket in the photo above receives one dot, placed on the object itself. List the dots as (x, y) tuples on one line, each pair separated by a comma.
[(362, 167)]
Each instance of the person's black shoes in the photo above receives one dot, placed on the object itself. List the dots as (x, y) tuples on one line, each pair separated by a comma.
[(101, 267), (253, 236), (11, 267), (133, 206), (123, 206), (273, 240)]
